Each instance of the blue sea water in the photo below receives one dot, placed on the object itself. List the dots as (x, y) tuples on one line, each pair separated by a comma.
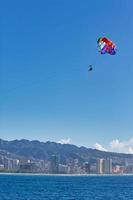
[(35, 187)]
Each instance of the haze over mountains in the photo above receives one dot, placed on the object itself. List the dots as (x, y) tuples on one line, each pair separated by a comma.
[(44, 150)]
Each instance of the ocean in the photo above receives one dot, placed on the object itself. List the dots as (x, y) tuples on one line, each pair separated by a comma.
[(39, 187)]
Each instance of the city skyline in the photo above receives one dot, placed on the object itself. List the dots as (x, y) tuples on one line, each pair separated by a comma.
[(53, 158), (46, 90)]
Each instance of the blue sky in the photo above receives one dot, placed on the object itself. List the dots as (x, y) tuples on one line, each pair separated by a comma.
[(46, 90)]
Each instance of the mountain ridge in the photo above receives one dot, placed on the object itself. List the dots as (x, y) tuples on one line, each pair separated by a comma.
[(35, 149)]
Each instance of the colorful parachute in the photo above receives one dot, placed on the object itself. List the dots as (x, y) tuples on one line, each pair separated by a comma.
[(106, 46)]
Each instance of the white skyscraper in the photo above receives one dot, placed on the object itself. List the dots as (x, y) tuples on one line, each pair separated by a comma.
[(104, 166)]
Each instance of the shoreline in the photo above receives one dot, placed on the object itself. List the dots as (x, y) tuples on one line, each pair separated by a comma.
[(67, 175)]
